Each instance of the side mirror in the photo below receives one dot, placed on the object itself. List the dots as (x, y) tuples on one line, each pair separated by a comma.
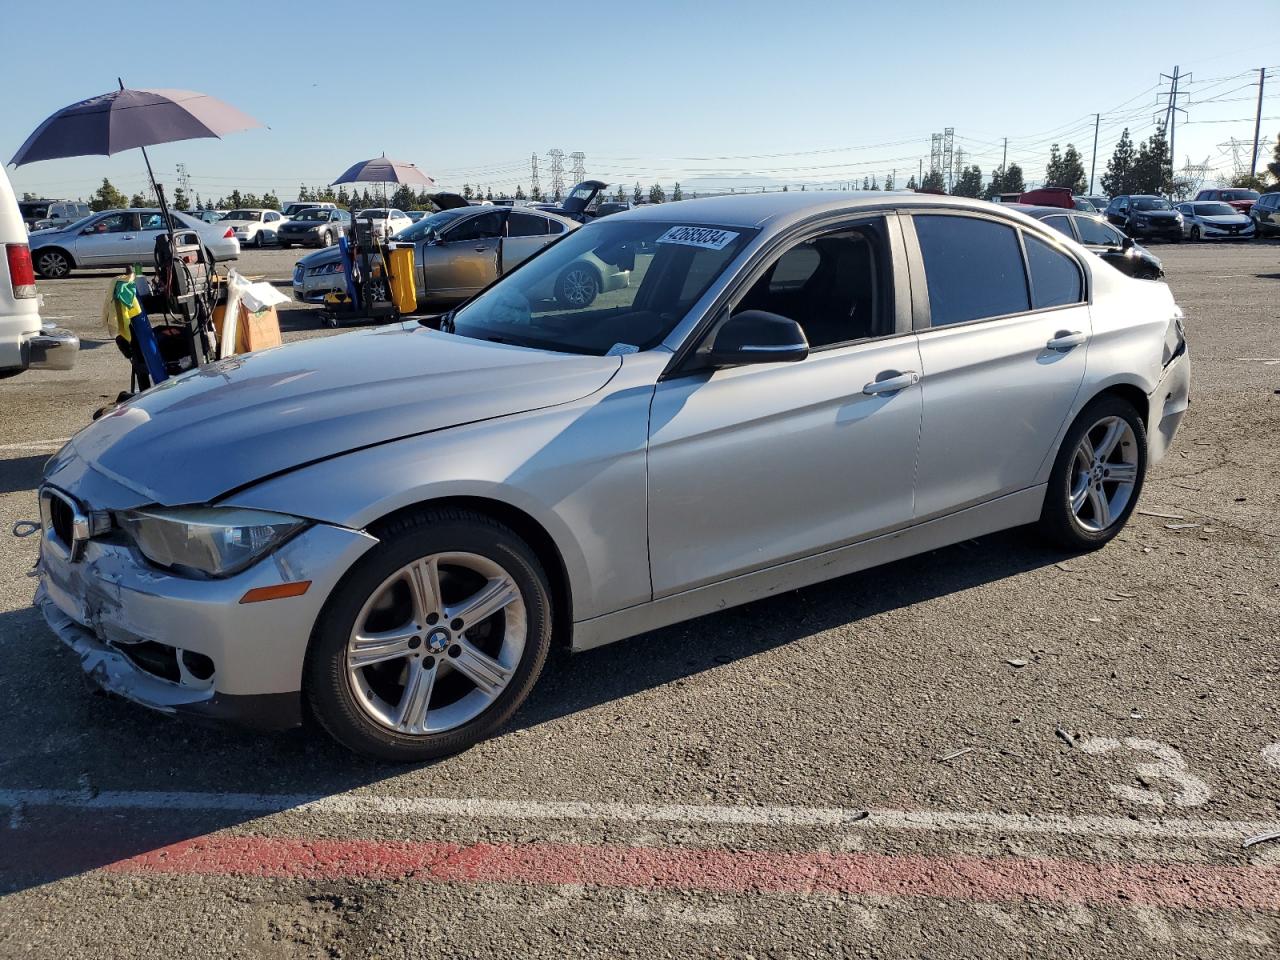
[(757, 336), (1126, 244)]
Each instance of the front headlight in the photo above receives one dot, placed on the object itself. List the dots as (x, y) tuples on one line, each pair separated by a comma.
[(207, 541)]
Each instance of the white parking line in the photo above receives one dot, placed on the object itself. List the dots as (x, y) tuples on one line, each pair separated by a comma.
[(35, 444), (536, 810)]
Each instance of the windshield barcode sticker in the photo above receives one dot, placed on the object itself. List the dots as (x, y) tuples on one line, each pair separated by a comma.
[(708, 237)]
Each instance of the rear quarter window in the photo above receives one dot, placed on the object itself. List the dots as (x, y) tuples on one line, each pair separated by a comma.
[(1055, 277)]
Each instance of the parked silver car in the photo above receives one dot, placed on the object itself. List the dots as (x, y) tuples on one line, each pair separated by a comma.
[(315, 227), (458, 252), (1214, 220), (117, 238), (392, 526)]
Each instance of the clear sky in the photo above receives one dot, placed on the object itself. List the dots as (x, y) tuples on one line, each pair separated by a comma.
[(704, 91)]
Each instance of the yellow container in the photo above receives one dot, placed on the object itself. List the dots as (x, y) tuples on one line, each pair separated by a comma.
[(404, 292)]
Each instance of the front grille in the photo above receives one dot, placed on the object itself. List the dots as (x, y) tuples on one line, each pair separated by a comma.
[(62, 520)]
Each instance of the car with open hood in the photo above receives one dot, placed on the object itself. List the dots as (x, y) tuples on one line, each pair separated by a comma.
[(389, 528)]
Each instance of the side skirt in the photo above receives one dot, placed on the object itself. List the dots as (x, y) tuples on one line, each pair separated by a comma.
[(1012, 510)]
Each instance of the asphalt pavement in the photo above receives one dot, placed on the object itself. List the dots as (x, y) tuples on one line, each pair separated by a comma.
[(994, 749)]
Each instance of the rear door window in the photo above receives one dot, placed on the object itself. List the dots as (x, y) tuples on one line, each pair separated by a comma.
[(1061, 224), (973, 268), (481, 227), (1096, 233), (1055, 277)]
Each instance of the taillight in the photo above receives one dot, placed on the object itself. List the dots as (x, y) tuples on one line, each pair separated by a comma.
[(229, 234), (21, 275)]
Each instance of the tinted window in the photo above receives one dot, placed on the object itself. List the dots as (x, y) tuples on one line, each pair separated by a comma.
[(973, 267), (1060, 224), (526, 225), (116, 223), (1096, 233), (556, 226), (483, 227), (837, 287), (1055, 277)]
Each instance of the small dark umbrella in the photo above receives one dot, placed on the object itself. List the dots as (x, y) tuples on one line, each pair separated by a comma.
[(125, 119)]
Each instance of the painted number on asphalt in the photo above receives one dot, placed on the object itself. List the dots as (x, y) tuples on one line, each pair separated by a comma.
[(1166, 767)]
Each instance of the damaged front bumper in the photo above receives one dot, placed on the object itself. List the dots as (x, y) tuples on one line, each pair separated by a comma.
[(191, 647)]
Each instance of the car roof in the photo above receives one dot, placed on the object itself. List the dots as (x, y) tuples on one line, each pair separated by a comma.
[(1038, 212), (777, 209)]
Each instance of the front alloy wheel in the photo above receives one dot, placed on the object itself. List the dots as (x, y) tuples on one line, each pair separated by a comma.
[(577, 287), (433, 640)]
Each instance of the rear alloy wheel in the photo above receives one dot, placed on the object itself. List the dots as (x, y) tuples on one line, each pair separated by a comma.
[(1097, 477), (53, 264), (577, 287), (433, 641), (326, 239), (1195, 233)]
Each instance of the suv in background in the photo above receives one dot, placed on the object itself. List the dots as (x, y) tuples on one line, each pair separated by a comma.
[(1240, 198), (291, 210), (1143, 215), (1265, 214), (52, 214)]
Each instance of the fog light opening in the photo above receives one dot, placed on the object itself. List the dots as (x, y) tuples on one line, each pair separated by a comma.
[(197, 665)]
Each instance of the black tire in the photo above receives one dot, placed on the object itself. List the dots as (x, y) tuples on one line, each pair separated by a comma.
[(1058, 522), (52, 263), (1195, 233), (326, 683), (258, 242), (326, 239), (577, 287)]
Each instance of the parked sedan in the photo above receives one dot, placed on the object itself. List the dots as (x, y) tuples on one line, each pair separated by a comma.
[(118, 238), (1100, 238), (1266, 215), (386, 222), (459, 251), (316, 227), (254, 228), (1145, 216), (390, 528), (1211, 220)]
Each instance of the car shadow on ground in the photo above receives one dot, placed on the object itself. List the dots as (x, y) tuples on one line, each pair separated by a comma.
[(74, 740), (22, 473)]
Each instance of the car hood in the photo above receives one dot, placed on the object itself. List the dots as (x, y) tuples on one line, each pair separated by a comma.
[(1156, 214), (1227, 220), (200, 436)]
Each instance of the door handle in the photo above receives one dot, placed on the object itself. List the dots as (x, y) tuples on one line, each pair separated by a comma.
[(1066, 339), (890, 381)]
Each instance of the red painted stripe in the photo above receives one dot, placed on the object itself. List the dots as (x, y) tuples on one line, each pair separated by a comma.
[(989, 879)]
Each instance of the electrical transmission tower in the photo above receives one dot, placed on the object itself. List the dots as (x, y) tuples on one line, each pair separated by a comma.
[(1193, 175), (579, 166), (557, 173), (948, 145), (535, 188), (184, 179), (935, 153), (1240, 150)]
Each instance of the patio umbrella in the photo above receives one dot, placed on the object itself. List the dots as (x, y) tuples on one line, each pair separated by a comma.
[(125, 119), (384, 170)]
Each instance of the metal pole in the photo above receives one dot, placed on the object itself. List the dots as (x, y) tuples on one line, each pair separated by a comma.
[(1257, 123), (1097, 117), (1004, 159), (1173, 118)]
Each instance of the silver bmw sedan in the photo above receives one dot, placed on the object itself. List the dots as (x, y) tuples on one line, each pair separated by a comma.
[(390, 528)]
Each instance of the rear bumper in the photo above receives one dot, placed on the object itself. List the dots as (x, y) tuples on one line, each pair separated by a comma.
[(1168, 404), (50, 349)]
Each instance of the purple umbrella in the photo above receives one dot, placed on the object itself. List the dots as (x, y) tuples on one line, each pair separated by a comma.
[(124, 119), (383, 170)]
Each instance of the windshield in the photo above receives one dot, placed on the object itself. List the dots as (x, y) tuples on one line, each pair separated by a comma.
[(433, 224), (372, 214), (1239, 195), (612, 287), (243, 215), (313, 215), (35, 211), (1213, 210), (1150, 203)]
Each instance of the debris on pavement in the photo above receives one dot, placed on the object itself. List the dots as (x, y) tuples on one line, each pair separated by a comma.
[(959, 753), (1180, 526), (1065, 737), (1162, 516), (1260, 838)]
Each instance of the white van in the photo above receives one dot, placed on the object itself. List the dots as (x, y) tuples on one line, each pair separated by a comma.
[(24, 340)]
